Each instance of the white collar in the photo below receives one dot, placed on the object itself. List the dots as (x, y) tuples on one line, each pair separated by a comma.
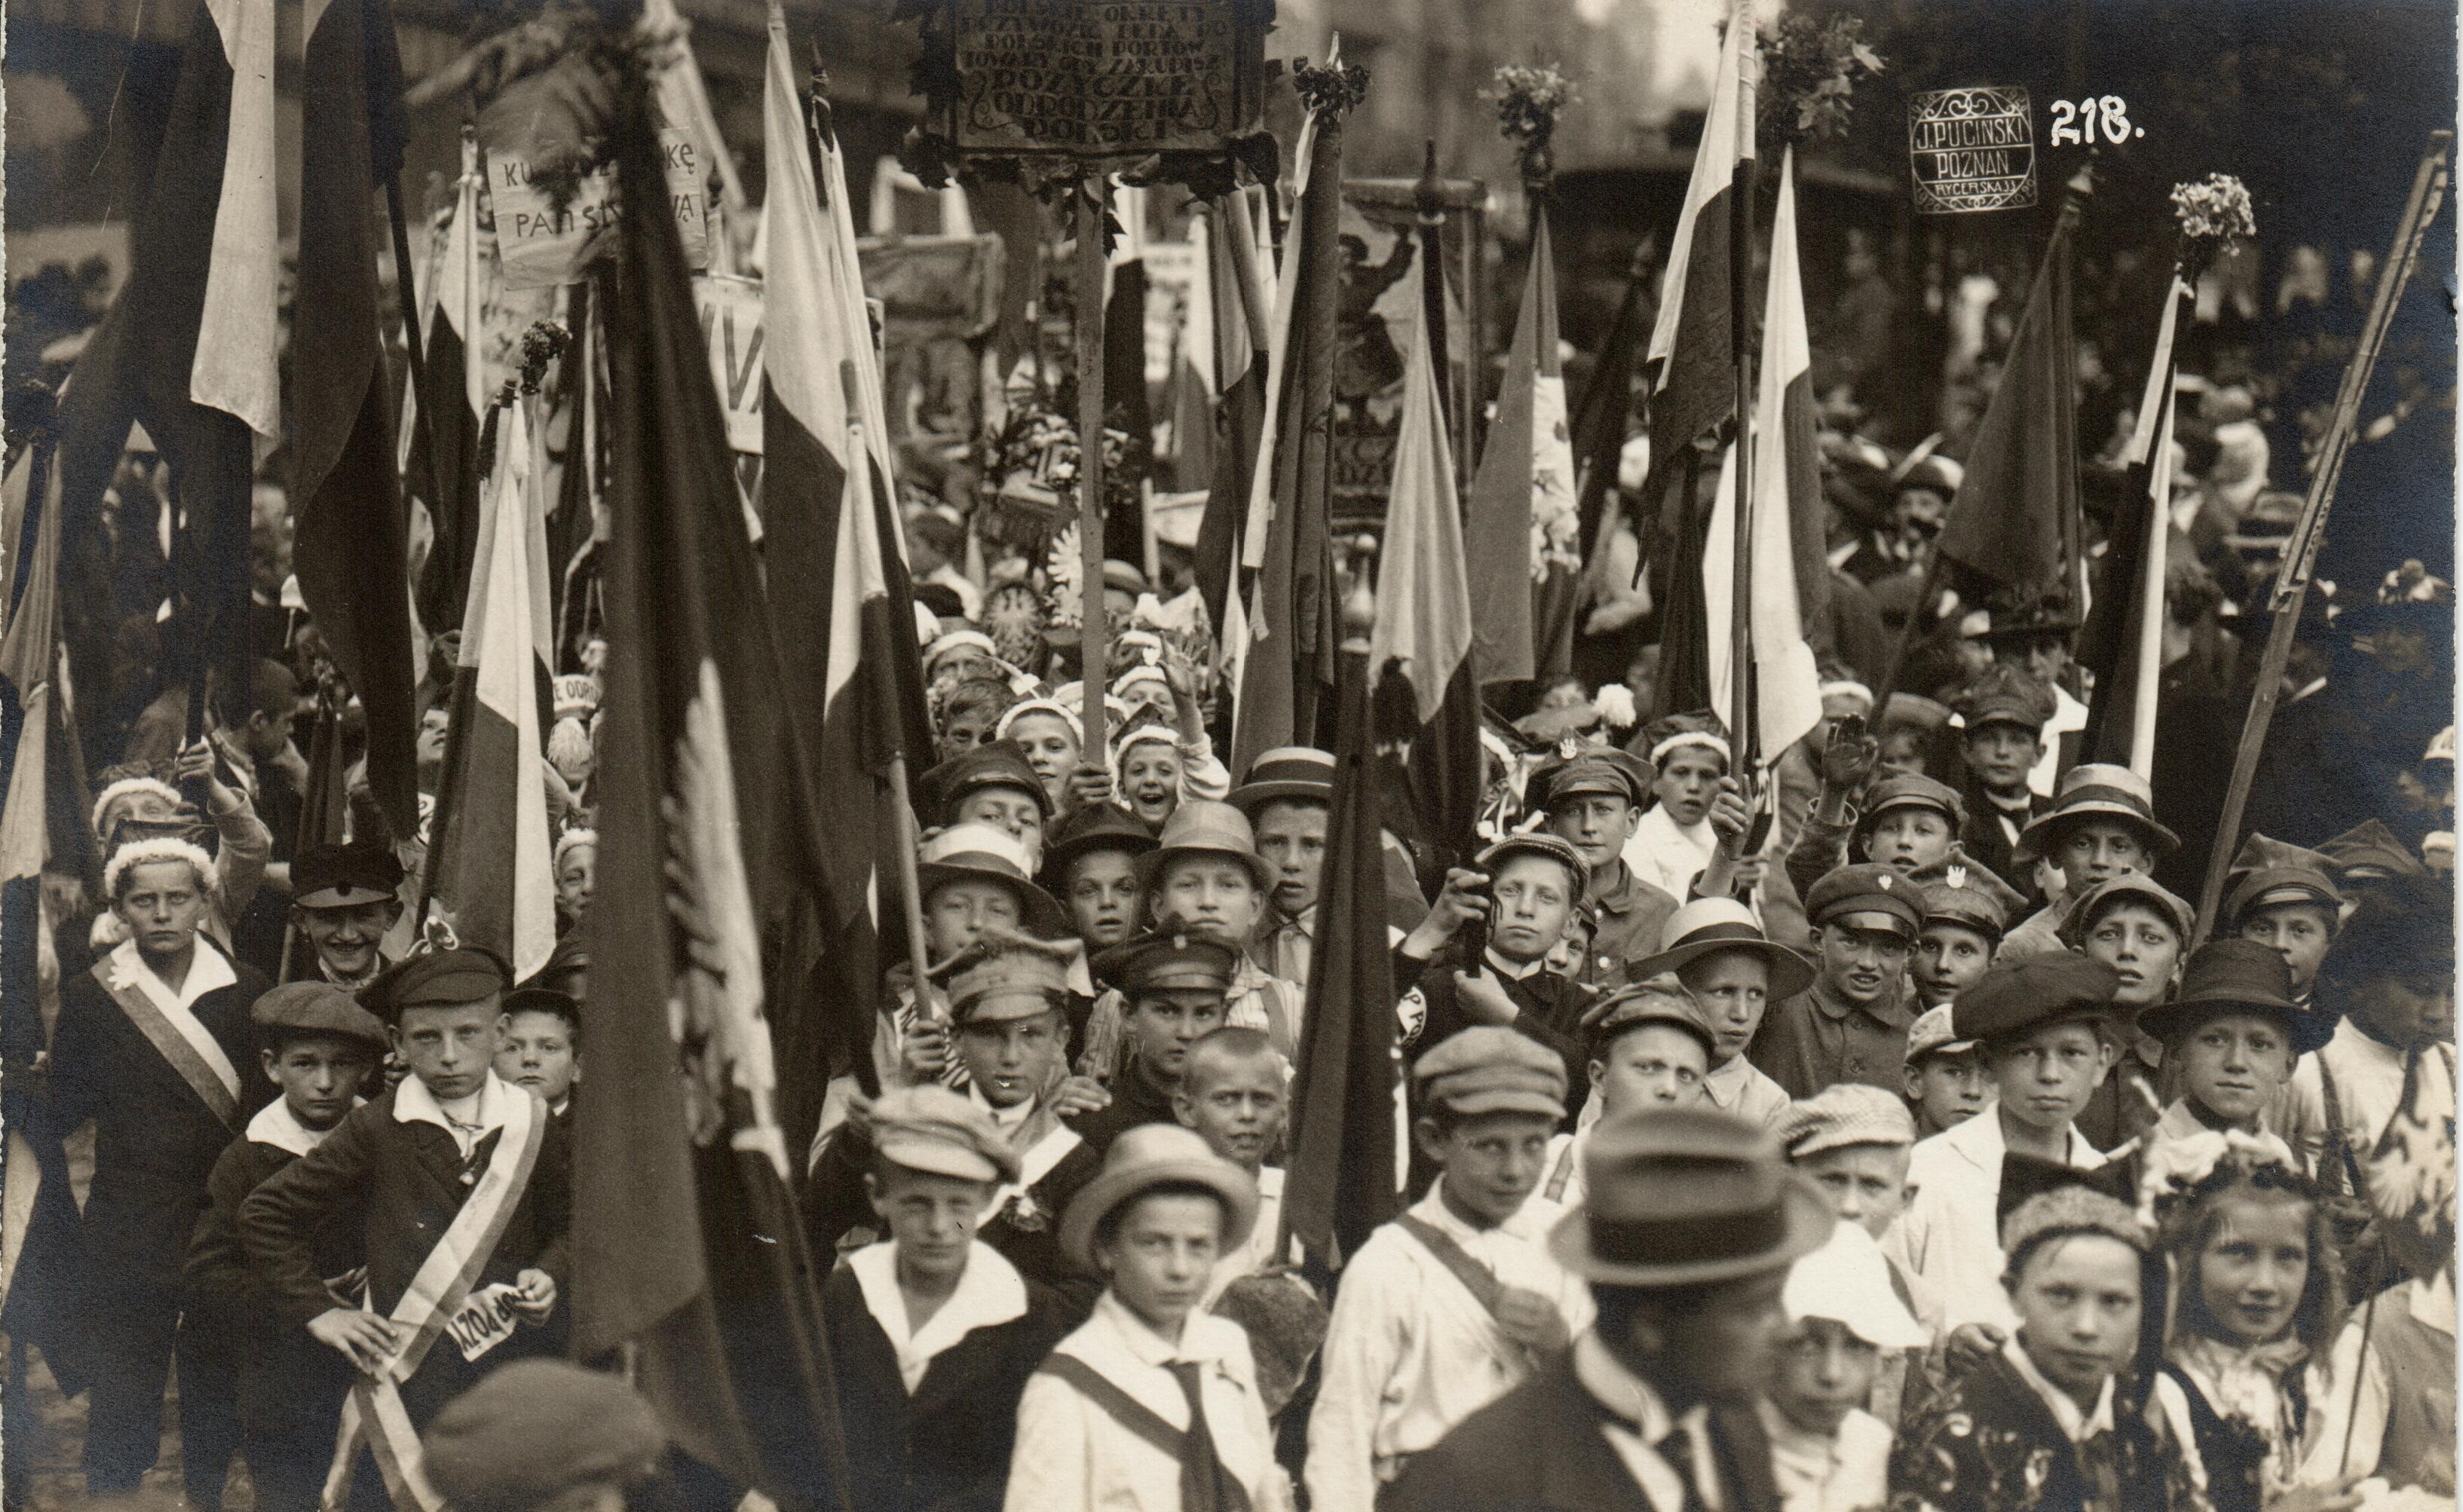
[(1792, 1440), (1725, 1084), (1698, 835), (1202, 1336), (414, 1103), (207, 971), (277, 1124), (990, 1293), (1621, 1391), (2077, 1426), (1008, 1120), (1530, 1223)]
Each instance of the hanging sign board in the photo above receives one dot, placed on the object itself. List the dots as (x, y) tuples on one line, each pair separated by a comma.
[(1102, 77), (1972, 149), (730, 334)]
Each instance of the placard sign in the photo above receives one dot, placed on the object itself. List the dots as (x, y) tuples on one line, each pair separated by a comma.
[(1102, 78), (730, 334), (1972, 149), (538, 246)]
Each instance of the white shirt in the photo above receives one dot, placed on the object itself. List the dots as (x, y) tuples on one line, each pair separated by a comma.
[(1745, 1089), (468, 1119), (1409, 1353), (1948, 1241), (1256, 1252), (1074, 1455), (1630, 1398), (277, 1124), (1846, 1472), (990, 1293), (2369, 1084), (1667, 855)]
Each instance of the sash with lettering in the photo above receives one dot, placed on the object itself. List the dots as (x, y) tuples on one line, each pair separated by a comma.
[(175, 1031), (373, 1414)]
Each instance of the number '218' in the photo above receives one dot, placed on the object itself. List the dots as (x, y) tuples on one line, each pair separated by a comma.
[(2075, 121)]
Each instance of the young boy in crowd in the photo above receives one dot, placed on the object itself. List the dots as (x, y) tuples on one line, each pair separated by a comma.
[(1946, 1079), (1717, 949), (1594, 800), (1523, 889), (1092, 867), (1846, 1322), (1851, 1025), (2003, 716), (1966, 908), (321, 1050), (1287, 797), (1233, 1093), (1907, 822), (449, 1157), (148, 1048), (2231, 1038), (542, 1046), (2285, 897), (932, 1333), (1852, 1141), (2045, 1027), (1447, 1307), (994, 784), (1171, 988), (2101, 826), (345, 898), (1673, 841), (1651, 1049)]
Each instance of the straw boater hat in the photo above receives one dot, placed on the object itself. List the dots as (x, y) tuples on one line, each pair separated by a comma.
[(1203, 826), (1146, 1156), (2236, 977), (1683, 1195), (1707, 925), (1301, 773), (965, 852), (2099, 790)]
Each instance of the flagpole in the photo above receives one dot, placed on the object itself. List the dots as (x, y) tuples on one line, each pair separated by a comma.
[(1092, 632), (1740, 269), (2300, 551)]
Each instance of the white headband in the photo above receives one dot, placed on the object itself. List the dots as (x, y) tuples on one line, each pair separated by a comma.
[(1702, 737), (1145, 734), (122, 788), (1052, 706), (568, 841), (1846, 687), (157, 847)]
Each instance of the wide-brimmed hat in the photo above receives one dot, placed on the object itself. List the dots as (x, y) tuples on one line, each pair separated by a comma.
[(1146, 1156), (965, 852), (1287, 772), (1095, 826), (2099, 790), (1203, 826), (2236, 977), (1681, 1196), (1707, 925)]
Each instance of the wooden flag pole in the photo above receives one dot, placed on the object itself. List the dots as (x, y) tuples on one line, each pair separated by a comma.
[(1092, 632), (2300, 551), (1740, 271)]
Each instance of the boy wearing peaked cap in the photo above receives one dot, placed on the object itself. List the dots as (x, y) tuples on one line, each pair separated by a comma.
[(1692, 1222), (1906, 820), (1524, 887), (453, 1164), (2047, 1028), (1594, 798), (2284, 898), (1967, 909), (1171, 990), (345, 898), (1450, 1306), (1650, 1048), (321, 1050), (933, 1331), (2003, 717), (1851, 1024)]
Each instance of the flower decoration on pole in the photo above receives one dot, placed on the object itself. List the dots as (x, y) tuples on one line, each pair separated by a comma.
[(1809, 74), (2215, 217), (1529, 98), (1335, 88)]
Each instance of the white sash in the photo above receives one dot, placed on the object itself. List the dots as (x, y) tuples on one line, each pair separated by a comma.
[(128, 969), (373, 1414)]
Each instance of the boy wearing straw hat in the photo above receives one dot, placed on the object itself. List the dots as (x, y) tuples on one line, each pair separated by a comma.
[(1693, 1221), (1716, 947), (933, 1332), (2101, 826), (1153, 1402), (1450, 1304)]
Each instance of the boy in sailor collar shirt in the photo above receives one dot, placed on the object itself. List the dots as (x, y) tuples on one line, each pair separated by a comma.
[(933, 1332)]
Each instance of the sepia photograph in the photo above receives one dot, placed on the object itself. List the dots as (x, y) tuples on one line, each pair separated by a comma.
[(1228, 755)]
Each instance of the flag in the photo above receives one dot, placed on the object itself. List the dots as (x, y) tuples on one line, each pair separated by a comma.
[(1686, 628), (2122, 644), (1125, 405), (1600, 421), (1420, 648), (350, 546), (1238, 319), (1691, 339), (1342, 1178), (2014, 519), (1191, 394), (685, 1240), (838, 592), (1290, 639), (495, 868), (444, 467), (189, 348), (1787, 509), (1522, 530)]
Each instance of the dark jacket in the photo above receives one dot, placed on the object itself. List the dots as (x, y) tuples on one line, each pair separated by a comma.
[(399, 1184), (288, 1381), (1539, 1448), (1552, 1013), (155, 1140), (1986, 1442), (945, 1448)]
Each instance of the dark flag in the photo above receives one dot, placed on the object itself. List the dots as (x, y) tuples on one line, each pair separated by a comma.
[(1695, 387), (1125, 405), (351, 540), (685, 1240), (1240, 324), (443, 470), (1341, 1181)]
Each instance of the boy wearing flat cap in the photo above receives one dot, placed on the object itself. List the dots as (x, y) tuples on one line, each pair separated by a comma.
[(1524, 887), (454, 1180), (2003, 715), (539, 1434), (1692, 1222), (994, 784), (1851, 1025), (933, 1331), (1946, 1080), (2046, 1027), (1451, 1304), (1650, 1048), (1594, 799), (284, 1393), (345, 898)]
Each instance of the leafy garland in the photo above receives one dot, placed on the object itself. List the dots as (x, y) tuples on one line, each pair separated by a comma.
[(1528, 102), (2216, 217), (1810, 70), (1334, 89)]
